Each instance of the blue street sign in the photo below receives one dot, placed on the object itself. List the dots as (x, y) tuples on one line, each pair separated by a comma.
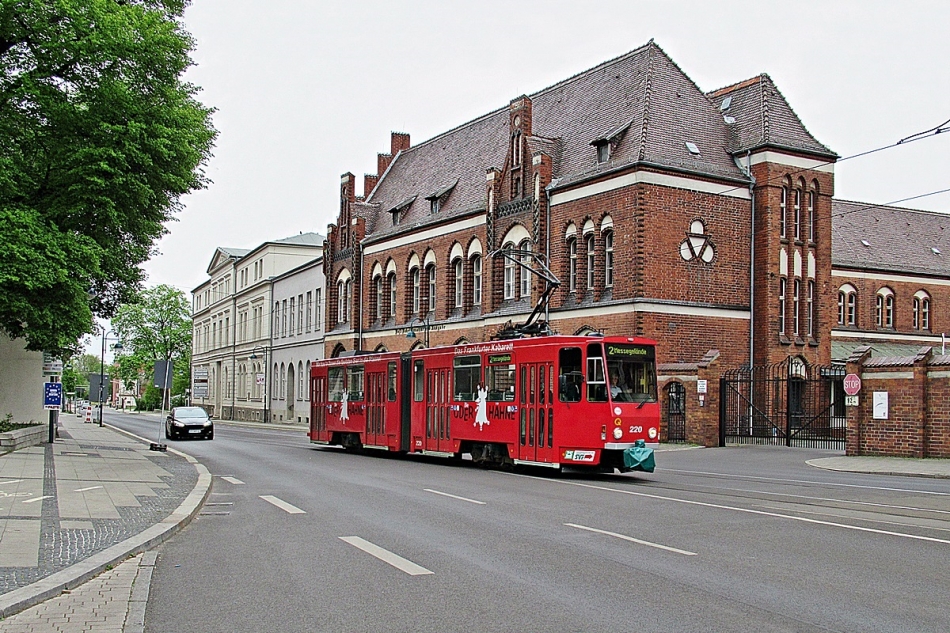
[(52, 395)]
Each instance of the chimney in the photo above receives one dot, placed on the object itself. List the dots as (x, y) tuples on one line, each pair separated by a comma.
[(369, 183), (400, 141), (382, 164)]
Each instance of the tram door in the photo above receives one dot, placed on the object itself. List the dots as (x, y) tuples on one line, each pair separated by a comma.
[(376, 409), (318, 413), (536, 414), (437, 410)]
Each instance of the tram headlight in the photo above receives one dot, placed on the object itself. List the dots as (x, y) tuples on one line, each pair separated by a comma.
[(618, 432), (652, 433)]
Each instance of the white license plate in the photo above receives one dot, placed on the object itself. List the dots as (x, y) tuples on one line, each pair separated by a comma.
[(194, 430)]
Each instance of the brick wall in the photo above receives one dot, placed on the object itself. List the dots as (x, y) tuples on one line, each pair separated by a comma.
[(916, 419)]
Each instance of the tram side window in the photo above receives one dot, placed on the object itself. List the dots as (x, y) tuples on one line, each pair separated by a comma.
[(354, 386), (468, 376), (418, 385), (571, 376), (335, 384), (501, 383), (596, 380), (392, 381)]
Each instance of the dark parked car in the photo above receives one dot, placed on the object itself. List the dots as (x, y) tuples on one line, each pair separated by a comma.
[(188, 422)]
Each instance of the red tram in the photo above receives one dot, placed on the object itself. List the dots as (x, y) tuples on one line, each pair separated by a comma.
[(578, 401)]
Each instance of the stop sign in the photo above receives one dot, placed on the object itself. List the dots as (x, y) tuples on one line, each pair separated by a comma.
[(852, 384)]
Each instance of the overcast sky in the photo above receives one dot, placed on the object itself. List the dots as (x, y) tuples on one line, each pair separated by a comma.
[(307, 90)]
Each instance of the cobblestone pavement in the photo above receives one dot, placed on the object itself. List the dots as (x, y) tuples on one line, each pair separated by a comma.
[(83, 504)]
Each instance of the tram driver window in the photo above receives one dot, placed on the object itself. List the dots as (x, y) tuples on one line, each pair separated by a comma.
[(596, 380), (501, 383), (335, 384), (468, 376), (354, 388), (418, 386), (571, 377), (391, 370)]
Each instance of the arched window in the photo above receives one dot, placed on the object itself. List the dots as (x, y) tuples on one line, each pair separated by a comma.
[(414, 274), (275, 380), (432, 289), (341, 301), (885, 308), (783, 212), (590, 261), (812, 198), (609, 259), (306, 381), (283, 381), (525, 272), (797, 217), (509, 285), (378, 292), (847, 305), (572, 265), (300, 380), (392, 295), (459, 282), (921, 311), (477, 280)]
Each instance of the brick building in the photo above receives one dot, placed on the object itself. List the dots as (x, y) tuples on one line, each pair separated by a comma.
[(702, 220)]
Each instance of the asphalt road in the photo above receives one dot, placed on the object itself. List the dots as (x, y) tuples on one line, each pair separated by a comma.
[(716, 540)]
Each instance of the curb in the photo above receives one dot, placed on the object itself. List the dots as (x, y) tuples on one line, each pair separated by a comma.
[(871, 471), (78, 573)]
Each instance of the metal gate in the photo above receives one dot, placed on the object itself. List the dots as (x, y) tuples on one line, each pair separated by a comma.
[(789, 403), (675, 412)]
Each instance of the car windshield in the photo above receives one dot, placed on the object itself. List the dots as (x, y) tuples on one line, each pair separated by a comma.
[(190, 412)]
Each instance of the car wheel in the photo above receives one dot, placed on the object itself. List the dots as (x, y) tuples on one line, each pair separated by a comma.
[(167, 436)]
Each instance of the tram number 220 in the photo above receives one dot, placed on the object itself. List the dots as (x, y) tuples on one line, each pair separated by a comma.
[(636, 429)]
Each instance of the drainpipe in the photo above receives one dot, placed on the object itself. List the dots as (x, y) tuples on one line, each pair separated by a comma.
[(359, 332), (547, 246), (748, 171), (233, 344)]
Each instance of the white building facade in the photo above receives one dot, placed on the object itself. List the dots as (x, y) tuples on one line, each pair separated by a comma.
[(231, 343), (296, 340)]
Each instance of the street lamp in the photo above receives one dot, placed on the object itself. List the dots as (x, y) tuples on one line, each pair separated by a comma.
[(102, 364), (425, 324), (254, 356)]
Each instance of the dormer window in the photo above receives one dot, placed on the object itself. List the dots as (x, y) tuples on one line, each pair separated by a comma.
[(398, 210), (434, 206), (603, 152), (438, 197)]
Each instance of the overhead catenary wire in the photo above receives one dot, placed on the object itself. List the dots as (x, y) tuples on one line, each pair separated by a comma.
[(888, 204)]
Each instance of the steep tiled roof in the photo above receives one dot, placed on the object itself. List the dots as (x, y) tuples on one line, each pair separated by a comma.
[(764, 118), (642, 98), (897, 239)]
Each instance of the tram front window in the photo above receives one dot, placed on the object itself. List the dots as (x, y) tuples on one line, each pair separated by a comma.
[(632, 374)]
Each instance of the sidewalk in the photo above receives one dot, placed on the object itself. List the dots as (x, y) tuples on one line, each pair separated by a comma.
[(906, 466), (78, 507)]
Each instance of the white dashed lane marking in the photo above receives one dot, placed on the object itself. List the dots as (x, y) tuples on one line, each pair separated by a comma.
[(445, 494), (386, 556), (233, 480), (283, 505), (632, 540)]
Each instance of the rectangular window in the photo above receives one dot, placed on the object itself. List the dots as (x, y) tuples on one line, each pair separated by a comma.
[(811, 216), (500, 380), (354, 383), (468, 377), (509, 289), (292, 313), (798, 214), (925, 312), (317, 308), (415, 291), (797, 288), (309, 310), (572, 266), (300, 315), (335, 384), (590, 262), (783, 212), (418, 380), (609, 259), (525, 278), (596, 379), (391, 379), (810, 322), (782, 290)]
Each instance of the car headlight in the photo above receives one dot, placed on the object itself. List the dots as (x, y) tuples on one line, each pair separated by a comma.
[(618, 433), (207, 423), (177, 423)]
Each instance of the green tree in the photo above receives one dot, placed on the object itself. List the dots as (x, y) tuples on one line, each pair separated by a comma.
[(156, 327), (77, 369), (99, 139)]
